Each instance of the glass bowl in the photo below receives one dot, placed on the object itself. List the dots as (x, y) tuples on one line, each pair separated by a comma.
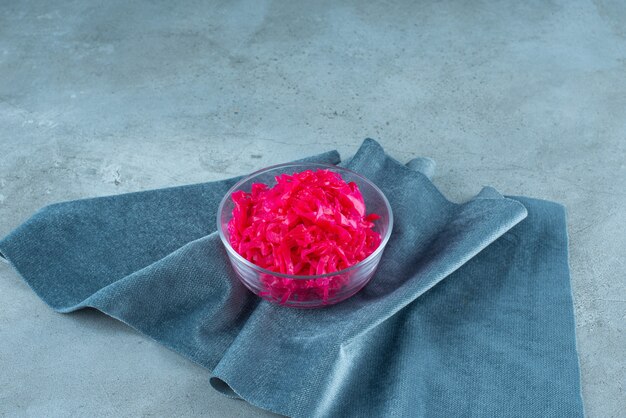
[(306, 291)]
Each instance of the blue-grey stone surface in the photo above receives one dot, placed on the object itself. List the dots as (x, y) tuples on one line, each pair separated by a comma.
[(100, 98)]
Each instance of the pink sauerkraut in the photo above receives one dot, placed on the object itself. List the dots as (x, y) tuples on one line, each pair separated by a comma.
[(309, 223)]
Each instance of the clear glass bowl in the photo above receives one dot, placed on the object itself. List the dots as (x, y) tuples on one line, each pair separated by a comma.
[(305, 291)]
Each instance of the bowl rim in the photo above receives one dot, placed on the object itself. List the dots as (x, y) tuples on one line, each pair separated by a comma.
[(339, 169)]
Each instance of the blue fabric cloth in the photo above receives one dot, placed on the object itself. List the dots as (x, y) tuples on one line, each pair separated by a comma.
[(470, 311)]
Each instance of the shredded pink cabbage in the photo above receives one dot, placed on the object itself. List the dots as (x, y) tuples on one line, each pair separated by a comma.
[(309, 223)]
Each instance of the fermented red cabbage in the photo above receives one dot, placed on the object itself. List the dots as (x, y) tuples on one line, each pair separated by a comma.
[(309, 223)]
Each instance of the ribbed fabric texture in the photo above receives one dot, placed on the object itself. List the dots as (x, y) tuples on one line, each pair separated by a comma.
[(469, 314)]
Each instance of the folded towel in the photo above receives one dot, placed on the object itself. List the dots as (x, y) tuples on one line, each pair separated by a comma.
[(495, 338)]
